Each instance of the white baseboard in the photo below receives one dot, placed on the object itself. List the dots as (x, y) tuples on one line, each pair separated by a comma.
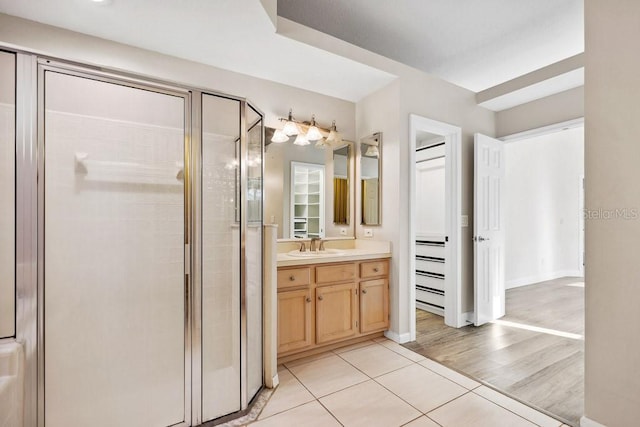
[(399, 338), (530, 280), (430, 309), (586, 422)]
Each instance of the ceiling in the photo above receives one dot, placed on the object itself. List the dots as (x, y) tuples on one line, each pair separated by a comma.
[(475, 44), (236, 35)]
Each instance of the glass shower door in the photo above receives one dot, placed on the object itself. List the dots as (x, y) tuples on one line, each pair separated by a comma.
[(220, 165), (114, 313)]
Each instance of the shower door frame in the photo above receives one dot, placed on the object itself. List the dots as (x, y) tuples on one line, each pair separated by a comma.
[(49, 65), (30, 162)]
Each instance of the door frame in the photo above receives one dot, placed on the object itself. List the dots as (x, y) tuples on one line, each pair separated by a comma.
[(453, 315)]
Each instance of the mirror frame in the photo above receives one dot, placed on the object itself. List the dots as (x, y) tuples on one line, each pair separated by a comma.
[(349, 146), (376, 138)]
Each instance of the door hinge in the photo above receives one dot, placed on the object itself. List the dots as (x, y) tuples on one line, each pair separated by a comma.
[(356, 323)]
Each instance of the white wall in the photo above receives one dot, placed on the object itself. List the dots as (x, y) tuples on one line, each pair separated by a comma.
[(430, 197), (542, 207), (558, 108), (388, 110), (612, 129)]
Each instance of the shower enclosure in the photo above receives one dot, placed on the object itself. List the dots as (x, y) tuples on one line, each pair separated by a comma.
[(148, 298)]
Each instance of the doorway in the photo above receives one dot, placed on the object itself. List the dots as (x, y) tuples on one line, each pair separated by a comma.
[(435, 246), (149, 222)]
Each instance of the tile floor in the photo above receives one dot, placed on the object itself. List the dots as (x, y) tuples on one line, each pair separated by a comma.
[(380, 383)]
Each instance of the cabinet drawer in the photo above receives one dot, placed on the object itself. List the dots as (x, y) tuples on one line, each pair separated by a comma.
[(294, 277), (374, 269), (335, 273)]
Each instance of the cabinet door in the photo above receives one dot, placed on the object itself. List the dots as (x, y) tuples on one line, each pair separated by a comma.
[(374, 305), (336, 312), (294, 320)]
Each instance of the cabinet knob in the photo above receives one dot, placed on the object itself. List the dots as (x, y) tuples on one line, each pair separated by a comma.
[(320, 297), (364, 291), (375, 269), (292, 278), (308, 299)]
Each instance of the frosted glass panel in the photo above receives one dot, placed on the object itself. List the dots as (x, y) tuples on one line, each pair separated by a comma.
[(220, 257), (7, 193), (114, 255), (253, 245)]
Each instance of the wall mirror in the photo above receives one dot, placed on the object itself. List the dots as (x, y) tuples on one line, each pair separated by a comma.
[(289, 200), (370, 174), (341, 185)]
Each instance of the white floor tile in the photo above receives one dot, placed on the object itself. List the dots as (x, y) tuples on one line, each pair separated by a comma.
[(310, 414), (375, 360), (353, 346), (423, 421), (289, 394), (525, 411), (411, 355), (369, 405), (423, 389), (327, 375), (450, 374), (308, 359), (473, 410)]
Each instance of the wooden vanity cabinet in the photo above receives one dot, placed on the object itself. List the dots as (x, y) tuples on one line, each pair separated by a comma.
[(323, 304), (336, 312), (295, 320)]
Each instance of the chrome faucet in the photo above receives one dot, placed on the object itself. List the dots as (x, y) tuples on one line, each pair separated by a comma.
[(312, 248)]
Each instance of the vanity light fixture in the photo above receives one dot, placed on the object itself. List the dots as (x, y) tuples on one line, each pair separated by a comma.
[(306, 132), (301, 139), (290, 127), (279, 136), (313, 134), (372, 151), (334, 136)]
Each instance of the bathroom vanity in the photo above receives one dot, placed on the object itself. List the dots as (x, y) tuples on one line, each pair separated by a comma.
[(331, 297)]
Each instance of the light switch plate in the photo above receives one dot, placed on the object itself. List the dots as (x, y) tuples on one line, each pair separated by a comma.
[(464, 221), (368, 232)]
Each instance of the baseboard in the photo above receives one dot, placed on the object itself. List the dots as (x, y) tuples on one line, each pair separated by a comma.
[(586, 422), (530, 280), (430, 309), (399, 338)]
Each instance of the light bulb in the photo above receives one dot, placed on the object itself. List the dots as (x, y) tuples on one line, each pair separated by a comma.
[(372, 151)]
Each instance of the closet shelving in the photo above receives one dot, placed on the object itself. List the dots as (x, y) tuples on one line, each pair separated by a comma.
[(307, 194)]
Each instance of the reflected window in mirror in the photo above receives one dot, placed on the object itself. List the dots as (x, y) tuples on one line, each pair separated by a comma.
[(370, 173), (341, 185)]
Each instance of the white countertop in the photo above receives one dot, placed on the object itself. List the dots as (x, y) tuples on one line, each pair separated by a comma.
[(285, 260)]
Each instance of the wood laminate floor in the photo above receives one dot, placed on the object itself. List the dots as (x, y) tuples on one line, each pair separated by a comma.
[(541, 368)]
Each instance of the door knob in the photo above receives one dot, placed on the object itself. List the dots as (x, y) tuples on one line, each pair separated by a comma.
[(320, 298), (292, 278), (364, 291), (308, 299), (480, 239)]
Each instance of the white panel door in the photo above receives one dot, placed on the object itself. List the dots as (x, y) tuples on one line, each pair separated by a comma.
[(488, 225)]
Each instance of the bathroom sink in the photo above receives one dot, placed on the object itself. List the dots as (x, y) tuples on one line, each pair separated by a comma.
[(315, 254)]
